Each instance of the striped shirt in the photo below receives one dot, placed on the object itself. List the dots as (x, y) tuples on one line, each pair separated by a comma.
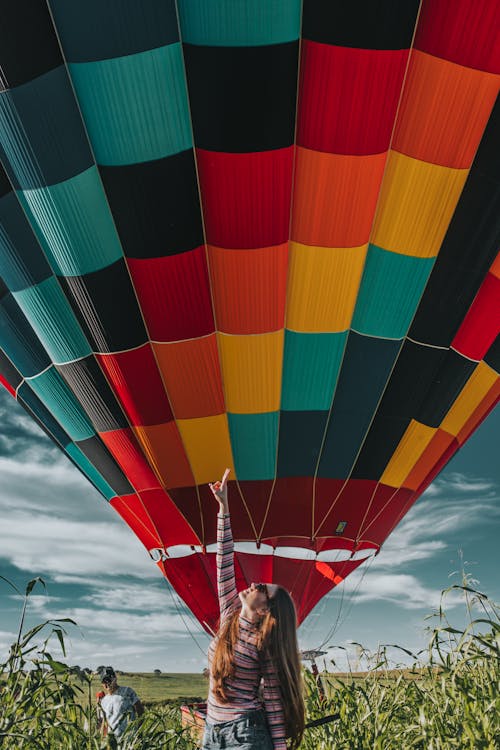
[(242, 688)]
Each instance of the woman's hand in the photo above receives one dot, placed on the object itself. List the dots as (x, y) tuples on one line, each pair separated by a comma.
[(219, 490)]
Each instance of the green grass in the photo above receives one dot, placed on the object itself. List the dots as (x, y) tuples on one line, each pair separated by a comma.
[(157, 689)]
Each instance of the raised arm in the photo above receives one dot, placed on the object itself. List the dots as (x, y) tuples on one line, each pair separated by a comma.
[(226, 582)]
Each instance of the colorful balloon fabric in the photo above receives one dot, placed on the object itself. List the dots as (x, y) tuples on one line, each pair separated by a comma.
[(259, 234)]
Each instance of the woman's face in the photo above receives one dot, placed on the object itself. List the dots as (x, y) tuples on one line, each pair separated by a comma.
[(257, 595)]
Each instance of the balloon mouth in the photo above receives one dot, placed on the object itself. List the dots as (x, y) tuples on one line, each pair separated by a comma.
[(160, 554)]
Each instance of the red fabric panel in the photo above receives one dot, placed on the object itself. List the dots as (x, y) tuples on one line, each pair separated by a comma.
[(136, 381), (481, 325), (8, 386), (188, 577), (171, 526), (348, 98), (246, 197), (290, 511), (349, 500), (134, 514), (123, 446), (174, 293), (463, 31)]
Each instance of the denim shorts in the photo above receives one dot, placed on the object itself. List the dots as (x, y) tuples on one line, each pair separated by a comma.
[(249, 732)]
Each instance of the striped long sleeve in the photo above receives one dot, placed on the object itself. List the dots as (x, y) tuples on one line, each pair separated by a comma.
[(226, 581), (250, 668)]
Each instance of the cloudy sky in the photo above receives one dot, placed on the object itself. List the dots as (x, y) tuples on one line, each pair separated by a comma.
[(55, 525)]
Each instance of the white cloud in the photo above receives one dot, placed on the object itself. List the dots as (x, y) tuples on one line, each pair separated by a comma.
[(50, 544), (128, 597), (402, 589)]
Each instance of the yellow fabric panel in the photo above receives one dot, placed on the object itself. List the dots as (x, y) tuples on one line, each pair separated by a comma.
[(411, 446), (482, 379), (251, 371), (208, 446), (323, 284), (416, 203)]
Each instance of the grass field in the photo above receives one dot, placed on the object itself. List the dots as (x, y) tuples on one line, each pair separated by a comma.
[(448, 700), (157, 689)]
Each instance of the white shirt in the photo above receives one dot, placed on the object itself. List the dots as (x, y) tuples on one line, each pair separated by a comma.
[(118, 708)]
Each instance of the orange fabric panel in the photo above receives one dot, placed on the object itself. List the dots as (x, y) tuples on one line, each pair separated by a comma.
[(164, 449), (495, 268), (192, 377), (335, 197), (444, 110), (481, 411), (429, 458), (249, 288)]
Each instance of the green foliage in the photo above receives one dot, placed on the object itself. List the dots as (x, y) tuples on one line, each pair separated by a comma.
[(449, 699)]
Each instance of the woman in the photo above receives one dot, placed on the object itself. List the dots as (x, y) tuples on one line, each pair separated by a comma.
[(256, 643)]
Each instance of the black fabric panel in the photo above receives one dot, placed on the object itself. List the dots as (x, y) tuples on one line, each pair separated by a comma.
[(4, 289), (55, 146), (242, 98), (5, 186), (18, 339), (413, 374), (36, 409), (383, 439), (9, 372), (487, 159), (156, 205), (28, 44), (86, 380), (22, 262), (300, 436), (98, 29), (98, 455), (105, 305), (416, 370), (366, 366), (492, 357), (368, 24), (469, 247), (449, 381)]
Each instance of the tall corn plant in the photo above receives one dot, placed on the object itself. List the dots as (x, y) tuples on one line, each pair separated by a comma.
[(450, 700), (48, 705)]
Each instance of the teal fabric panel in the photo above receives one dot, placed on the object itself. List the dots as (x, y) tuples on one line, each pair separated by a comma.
[(90, 471), (253, 440), (389, 294), (135, 107), (62, 404), (52, 318), (239, 23), (74, 225), (311, 366)]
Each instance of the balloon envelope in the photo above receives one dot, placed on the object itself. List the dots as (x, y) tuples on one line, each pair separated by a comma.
[(260, 235)]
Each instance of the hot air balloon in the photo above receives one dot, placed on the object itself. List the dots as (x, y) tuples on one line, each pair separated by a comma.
[(254, 234)]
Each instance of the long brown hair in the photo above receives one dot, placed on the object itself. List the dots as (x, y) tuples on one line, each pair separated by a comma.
[(277, 640)]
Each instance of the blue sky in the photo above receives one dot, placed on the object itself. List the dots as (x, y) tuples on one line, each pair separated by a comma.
[(55, 525)]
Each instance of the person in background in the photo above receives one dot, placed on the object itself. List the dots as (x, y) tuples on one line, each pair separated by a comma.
[(118, 705), (254, 654)]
